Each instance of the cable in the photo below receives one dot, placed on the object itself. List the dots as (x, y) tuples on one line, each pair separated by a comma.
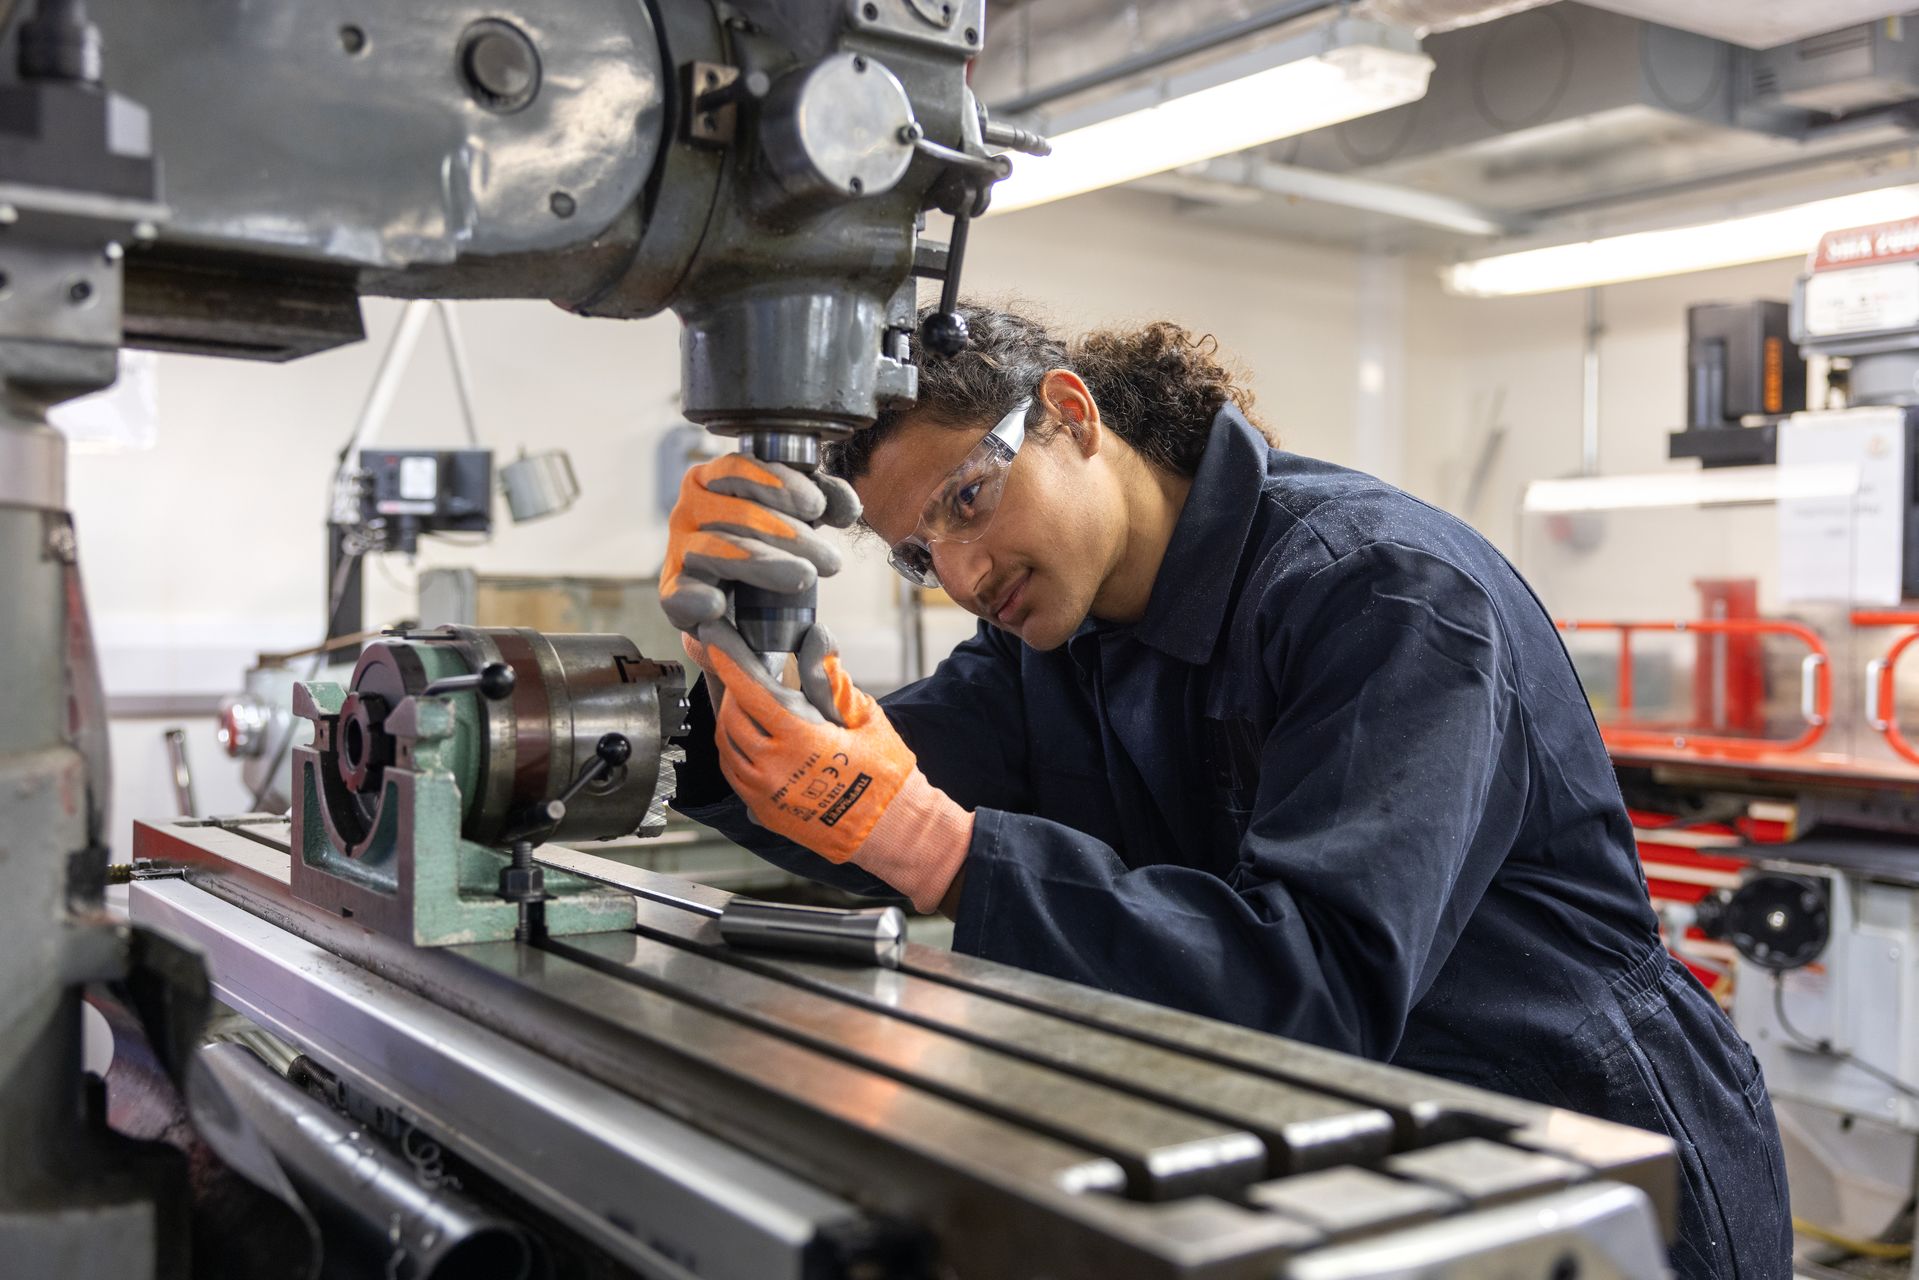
[(1851, 1244), (386, 573), (462, 374), (1824, 1047)]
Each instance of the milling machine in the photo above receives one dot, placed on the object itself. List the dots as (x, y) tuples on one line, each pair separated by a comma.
[(1745, 634), (468, 1048)]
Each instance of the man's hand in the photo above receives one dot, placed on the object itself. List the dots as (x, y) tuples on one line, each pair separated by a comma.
[(742, 520), (824, 767), (821, 781)]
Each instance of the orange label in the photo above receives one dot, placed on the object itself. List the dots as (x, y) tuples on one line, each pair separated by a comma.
[(1774, 395)]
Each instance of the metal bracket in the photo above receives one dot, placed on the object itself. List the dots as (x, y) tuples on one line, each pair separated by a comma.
[(712, 124)]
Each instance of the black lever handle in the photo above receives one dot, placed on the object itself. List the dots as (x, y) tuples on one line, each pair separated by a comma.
[(943, 333), (493, 681), (612, 751)]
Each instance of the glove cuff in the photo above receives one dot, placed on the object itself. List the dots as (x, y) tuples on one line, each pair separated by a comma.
[(919, 843)]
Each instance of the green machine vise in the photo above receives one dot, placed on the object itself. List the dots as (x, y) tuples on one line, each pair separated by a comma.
[(451, 753)]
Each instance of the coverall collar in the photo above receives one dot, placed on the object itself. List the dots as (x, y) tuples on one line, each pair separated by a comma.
[(1194, 589)]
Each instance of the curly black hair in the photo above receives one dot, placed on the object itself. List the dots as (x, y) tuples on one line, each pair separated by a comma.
[(1157, 387)]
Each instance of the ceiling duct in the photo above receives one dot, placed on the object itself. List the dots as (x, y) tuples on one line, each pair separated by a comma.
[(1838, 73), (1536, 114), (1526, 104), (1757, 24)]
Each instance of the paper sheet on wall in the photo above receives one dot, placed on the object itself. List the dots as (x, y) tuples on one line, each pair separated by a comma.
[(1834, 546)]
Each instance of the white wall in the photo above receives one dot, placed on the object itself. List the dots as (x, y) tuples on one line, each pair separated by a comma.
[(1463, 353), (209, 546)]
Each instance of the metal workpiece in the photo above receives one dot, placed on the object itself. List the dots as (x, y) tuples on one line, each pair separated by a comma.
[(873, 936), (862, 936), (1300, 1129), (378, 1211), (650, 1190), (1166, 1153)]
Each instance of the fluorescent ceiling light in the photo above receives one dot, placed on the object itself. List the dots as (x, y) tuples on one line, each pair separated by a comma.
[(1759, 237), (1345, 69)]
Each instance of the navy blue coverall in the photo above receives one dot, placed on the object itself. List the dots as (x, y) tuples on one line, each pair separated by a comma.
[(1340, 783)]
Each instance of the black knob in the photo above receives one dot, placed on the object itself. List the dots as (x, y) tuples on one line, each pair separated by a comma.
[(614, 749), (943, 333), (496, 681), (1709, 913)]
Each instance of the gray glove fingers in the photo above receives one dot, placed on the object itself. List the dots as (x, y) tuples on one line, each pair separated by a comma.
[(842, 504), (724, 637), (766, 569), (694, 602), (797, 495), (815, 648), (804, 543)]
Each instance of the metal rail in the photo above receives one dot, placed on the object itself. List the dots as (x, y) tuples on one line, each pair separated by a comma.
[(1815, 696)]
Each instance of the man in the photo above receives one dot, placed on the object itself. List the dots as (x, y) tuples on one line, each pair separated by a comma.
[(1241, 732)]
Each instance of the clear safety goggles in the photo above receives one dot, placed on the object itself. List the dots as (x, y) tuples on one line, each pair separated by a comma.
[(962, 506)]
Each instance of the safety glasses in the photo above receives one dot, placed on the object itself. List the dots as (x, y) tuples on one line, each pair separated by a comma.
[(962, 506)]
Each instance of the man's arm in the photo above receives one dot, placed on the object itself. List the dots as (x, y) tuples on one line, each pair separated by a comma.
[(1390, 789)]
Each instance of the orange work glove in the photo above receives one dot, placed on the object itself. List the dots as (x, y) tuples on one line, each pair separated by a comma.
[(742, 520), (823, 766)]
